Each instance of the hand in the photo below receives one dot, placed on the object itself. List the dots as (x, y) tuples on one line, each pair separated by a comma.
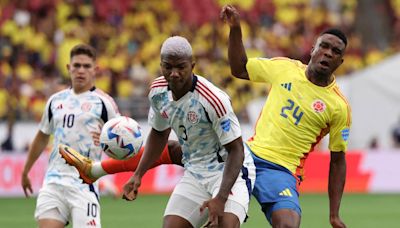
[(131, 188), (230, 15), (336, 222), (215, 210), (26, 185)]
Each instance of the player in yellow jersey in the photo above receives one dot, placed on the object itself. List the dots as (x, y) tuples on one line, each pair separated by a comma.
[(303, 105)]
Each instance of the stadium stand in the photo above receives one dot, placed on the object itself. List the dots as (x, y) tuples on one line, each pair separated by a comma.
[(36, 34)]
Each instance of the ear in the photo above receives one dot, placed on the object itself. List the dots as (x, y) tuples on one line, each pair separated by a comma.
[(193, 64), (67, 67)]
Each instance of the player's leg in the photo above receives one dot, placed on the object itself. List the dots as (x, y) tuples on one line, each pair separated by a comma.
[(85, 207), (90, 171), (172, 154), (51, 209), (285, 218), (183, 208), (50, 223), (176, 221), (237, 205), (276, 191)]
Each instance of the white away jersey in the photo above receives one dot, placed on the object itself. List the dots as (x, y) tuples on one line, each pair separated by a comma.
[(71, 118), (203, 120)]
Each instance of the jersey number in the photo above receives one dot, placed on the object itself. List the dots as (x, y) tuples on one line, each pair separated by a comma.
[(68, 120), (296, 113), (92, 209)]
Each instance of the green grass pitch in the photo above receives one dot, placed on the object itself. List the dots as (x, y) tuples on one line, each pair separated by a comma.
[(358, 210)]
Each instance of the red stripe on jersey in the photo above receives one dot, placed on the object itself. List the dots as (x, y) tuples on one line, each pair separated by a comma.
[(202, 93), (159, 82), (159, 79), (337, 91), (213, 97), (162, 78), (300, 168)]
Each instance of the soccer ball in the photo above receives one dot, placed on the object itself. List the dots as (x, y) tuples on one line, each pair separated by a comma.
[(121, 138)]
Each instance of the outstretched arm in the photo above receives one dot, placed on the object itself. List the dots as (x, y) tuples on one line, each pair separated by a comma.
[(36, 148), (236, 52), (154, 146), (337, 179)]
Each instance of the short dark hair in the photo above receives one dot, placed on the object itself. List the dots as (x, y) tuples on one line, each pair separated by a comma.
[(83, 49), (336, 32)]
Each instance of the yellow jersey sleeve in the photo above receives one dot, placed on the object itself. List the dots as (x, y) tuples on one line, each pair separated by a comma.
[(340, 125)]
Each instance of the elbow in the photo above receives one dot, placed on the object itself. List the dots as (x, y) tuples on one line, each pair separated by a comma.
[(242, 73), (236, 73), (239, 70)]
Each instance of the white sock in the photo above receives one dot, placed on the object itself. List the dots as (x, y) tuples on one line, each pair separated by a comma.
[(97, 170)]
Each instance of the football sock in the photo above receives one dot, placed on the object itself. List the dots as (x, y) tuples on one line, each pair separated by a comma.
[(111, 166), (97, 170)]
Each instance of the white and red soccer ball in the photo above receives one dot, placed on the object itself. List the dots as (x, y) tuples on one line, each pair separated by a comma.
[(121, 138)]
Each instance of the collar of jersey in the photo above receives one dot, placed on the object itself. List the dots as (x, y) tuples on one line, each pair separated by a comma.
[(91, 90)]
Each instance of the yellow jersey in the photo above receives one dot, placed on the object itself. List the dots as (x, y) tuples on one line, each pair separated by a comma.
[(296, 114)]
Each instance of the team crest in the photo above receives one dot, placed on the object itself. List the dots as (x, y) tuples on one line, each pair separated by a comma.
[(345, 134), (86, 107), (318, 106), (192, 117)]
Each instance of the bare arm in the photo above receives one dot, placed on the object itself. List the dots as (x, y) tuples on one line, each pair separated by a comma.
[(233, 164), (38, 145), (337, 179), (236, 52), (232, 168), (154, 146)]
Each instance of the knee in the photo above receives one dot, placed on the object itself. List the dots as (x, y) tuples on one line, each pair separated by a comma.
[(285, 219), (284, 224)]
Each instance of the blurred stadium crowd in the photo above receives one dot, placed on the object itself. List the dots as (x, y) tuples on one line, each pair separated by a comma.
[(36, 37)]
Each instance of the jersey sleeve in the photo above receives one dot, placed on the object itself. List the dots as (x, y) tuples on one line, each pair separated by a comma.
[(46, 124), (340, 129), (155, 118), (224, 121), (110, 106), (267, 70), (156, 121)]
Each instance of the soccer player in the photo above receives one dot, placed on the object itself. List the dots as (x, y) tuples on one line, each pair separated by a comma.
[(304, 105), (74, 116), (90, 170), (218, 176)]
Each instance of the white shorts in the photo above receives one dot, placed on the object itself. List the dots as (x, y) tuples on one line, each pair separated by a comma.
[(68, 204), (190, 194)]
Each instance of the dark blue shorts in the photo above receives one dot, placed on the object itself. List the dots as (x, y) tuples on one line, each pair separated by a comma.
[(275, 187)]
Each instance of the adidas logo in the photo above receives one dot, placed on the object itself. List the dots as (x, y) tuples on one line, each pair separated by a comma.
[(285, 192), (91, 223), (164, 115), (287, 86)]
